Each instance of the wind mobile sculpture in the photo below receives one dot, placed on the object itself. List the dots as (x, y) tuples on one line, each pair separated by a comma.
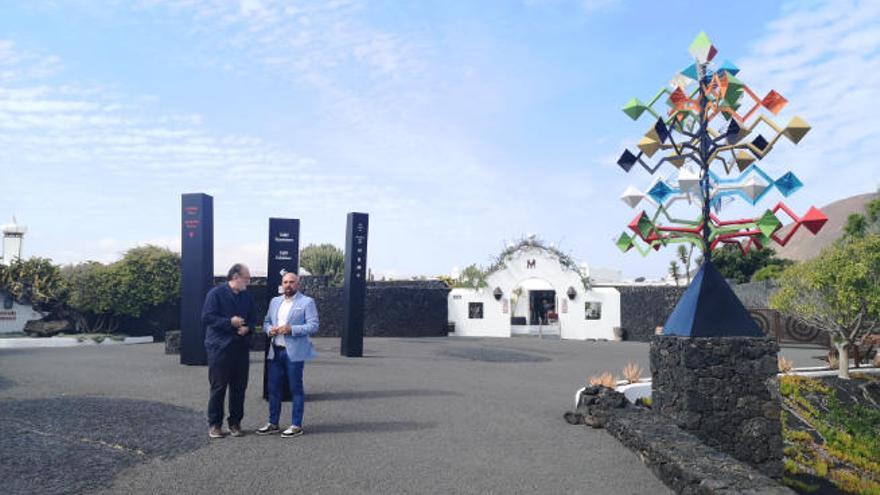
[(684, 137), (716, 165)]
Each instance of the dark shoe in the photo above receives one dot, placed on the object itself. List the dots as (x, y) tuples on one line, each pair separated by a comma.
[(293, 431), (216, 432), (269, 429), (235, 431)]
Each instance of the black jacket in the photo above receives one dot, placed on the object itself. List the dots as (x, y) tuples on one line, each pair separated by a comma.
[(221, 304)]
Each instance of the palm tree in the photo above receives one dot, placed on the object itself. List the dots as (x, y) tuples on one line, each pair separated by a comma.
[(673, 271), (684, 255)]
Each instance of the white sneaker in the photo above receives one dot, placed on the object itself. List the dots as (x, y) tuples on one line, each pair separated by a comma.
[(268, 429), (292, 431)]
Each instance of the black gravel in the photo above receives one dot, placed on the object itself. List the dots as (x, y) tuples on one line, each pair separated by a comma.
[(77, 444), (490, 355)]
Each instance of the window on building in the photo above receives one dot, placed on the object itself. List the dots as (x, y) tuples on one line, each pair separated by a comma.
[(8, 301), (593, 310), (475, 311)]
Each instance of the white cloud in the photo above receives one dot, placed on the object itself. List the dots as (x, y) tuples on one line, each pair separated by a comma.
[(252, 254), (825, 59), (61, 127)]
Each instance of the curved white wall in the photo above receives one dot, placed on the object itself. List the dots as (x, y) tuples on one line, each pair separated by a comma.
[(535, 269)]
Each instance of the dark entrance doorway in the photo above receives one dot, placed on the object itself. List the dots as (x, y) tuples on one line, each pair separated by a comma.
[(542, 305)]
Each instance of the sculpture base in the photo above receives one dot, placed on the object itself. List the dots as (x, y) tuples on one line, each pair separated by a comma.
[(720, 390)]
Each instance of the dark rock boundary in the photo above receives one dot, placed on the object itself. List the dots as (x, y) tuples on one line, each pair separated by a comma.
[(67, 445), (678, 459)]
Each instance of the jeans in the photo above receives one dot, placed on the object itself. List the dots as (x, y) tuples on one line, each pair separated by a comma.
[(279, 367), (227, 368)]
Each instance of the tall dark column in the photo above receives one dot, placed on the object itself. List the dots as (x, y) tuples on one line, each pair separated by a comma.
[(196, 273), (283, 257), (283, 252), (355, 290)]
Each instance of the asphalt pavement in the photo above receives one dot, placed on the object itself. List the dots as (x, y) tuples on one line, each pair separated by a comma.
[(430, 415)]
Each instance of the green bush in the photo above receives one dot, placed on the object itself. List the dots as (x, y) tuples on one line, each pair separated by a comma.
[(769, 272), (472, 277), (324, 259), (37, 281), (145, 277), (837, 292), (847, 437), (734, 265)]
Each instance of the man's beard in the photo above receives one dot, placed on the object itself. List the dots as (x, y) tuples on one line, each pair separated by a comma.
[(289, 292)]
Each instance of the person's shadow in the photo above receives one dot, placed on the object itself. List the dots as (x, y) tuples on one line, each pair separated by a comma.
[(371, 427), (375, 394)]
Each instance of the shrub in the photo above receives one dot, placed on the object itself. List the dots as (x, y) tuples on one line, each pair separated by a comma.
[(831, 360), (36, 281), (472, 277), (838, 292), (89, 295), (839, 440), (324, 259), (785, 365), (604, 380), (145, 277), (632, 372)]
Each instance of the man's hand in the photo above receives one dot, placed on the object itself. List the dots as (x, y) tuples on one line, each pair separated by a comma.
[(285, 329), (273, 331), (243, 330), (237, 321)]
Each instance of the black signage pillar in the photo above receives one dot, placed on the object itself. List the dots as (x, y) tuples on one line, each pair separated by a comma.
[(355, 291), (196, 273), (283, 258)]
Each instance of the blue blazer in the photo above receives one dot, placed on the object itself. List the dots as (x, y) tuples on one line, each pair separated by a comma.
[(303, 320)]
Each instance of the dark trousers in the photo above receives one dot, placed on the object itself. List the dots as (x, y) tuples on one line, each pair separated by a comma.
[(227, 368), (280, 368)]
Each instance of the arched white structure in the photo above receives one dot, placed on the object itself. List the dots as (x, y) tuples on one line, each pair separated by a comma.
[(530, 275)]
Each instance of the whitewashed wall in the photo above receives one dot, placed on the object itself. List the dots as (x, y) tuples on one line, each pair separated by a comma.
[(572, 318), (13, 320), (494, 322)]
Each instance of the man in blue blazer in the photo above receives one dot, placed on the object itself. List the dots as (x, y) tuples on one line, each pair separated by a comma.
[(289, 322)]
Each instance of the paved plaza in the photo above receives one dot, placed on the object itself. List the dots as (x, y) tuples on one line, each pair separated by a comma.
[(430, 415)]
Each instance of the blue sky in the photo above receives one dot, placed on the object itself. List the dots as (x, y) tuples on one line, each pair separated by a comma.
[(457, 125)]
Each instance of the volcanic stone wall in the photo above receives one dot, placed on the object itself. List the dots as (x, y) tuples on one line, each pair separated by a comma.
[(722, 391)]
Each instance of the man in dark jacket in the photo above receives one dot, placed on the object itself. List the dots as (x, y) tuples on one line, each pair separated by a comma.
[(229, 314)]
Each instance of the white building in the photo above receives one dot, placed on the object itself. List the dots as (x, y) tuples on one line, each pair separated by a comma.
[(13, 235), (535, 290), (14, 316)]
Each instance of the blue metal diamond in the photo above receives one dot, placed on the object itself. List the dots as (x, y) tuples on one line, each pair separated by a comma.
[(729, 67), (788, 184), (660, 192)]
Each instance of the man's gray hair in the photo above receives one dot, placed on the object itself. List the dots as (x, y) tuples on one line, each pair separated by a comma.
[(235, 271)]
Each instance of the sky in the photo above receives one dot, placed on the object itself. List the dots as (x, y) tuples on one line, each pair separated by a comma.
[(459, 126)]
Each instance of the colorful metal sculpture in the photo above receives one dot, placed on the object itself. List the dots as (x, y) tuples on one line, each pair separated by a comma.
[(686, 137)]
